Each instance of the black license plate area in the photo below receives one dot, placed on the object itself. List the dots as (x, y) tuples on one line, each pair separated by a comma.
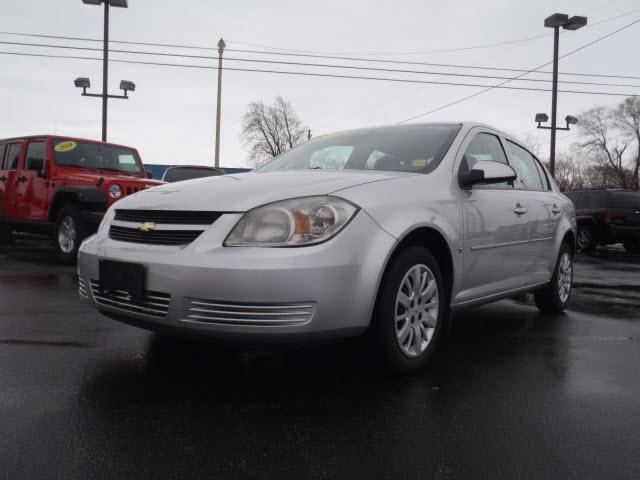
[(128, 277)]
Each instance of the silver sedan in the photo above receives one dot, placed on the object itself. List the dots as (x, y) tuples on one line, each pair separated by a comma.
[(387, 229)]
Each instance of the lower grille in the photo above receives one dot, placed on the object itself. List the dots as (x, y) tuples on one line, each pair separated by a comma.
[(154, 237), (82, 287), (270, 315), (154, 304)]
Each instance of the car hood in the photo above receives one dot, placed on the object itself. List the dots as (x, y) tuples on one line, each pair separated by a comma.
[(242, 192)]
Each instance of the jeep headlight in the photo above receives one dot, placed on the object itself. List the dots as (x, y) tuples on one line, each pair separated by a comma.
[(115, 191), (289, 223)]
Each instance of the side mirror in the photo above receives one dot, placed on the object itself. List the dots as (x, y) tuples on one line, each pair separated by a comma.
[(487, 172), (148, 173)]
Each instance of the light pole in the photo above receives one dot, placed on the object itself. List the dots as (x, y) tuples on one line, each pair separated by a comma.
[(105, 58), (556, 21), (221, 46)]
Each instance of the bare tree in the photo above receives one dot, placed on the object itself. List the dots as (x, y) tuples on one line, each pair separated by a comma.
[(603, 141), (270, 130), (568, 172), (627, 119)]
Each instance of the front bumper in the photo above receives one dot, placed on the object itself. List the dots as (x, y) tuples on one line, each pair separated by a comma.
[(248, 293)]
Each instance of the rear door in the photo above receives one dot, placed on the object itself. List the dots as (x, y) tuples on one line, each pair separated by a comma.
[(496, 225), (32, 186), (544, 210), (9, 177)]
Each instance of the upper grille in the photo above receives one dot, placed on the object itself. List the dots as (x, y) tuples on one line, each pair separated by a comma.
[(178, 217), (154, 304), (269, 315), (154, 237)]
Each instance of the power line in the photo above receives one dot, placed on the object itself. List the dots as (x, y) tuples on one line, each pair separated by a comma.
[(424, 52), (309, 64), (261, 52), (501, 85), (315, 74), (349, 58)]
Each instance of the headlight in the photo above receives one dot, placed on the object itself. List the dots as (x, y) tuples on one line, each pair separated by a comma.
[(115, 191), (296, 222)]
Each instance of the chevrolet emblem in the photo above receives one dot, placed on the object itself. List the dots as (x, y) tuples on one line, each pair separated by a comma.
[(147, 227)]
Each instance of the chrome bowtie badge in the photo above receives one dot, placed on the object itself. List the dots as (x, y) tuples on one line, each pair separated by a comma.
[(147, 227)]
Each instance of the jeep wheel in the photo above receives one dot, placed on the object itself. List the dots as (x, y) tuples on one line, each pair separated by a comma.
[(69, 233), (586, 240), (5, 234), (632, 246), (411, 310)]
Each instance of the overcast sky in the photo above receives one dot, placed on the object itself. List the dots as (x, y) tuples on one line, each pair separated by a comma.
[(170, 118)]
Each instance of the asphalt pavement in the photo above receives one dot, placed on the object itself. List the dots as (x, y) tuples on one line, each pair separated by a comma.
[(511, 394)]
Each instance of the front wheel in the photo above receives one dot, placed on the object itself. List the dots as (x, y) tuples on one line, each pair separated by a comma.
[(554, 298), (410, 311), (69, 233)]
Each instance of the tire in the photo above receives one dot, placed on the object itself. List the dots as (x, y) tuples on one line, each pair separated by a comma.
[(554, 298), (5, 234), (632, 246), (424, 315), (586, 239), (69, 233)]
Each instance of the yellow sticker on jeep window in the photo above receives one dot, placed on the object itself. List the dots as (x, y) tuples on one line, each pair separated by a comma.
[(65, 146)]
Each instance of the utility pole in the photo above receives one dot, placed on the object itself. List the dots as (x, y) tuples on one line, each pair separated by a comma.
[(556, 21), (221, 46)]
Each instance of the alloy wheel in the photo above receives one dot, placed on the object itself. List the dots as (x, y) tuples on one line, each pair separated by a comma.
[(416, 310), (565, 270)]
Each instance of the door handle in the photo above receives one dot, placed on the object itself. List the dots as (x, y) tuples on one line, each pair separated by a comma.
[(519, 210), (22, 179), (3, 179), (555, 209)]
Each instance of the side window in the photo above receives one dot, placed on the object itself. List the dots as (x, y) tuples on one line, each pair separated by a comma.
[(484, 146), (330, 158), (36, 155), (543, 175), (525, 166), (11, 156)]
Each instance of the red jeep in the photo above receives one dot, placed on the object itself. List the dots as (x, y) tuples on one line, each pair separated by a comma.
[(61, 187)]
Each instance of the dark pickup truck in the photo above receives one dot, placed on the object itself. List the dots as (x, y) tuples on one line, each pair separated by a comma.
[(606, 217)]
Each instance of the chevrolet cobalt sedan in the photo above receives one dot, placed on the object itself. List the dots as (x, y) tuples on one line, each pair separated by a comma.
[(381, 229)]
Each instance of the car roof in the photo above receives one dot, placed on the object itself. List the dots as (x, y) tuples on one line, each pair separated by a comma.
[(465, 125), (66, 137)]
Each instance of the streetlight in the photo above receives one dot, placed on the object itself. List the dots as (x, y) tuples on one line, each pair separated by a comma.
[(556, 21), (105, 61), (544, 118)]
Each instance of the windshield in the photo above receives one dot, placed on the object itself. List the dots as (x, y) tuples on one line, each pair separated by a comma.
[(74, 153), (178, 174), (415, 148)]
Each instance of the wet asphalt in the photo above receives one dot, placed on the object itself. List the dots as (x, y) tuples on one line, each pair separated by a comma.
[(511, 394)]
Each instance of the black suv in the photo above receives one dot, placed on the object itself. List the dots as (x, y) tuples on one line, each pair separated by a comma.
[(607, 216)]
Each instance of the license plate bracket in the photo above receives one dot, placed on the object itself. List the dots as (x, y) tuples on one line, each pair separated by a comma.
[(128, 277)]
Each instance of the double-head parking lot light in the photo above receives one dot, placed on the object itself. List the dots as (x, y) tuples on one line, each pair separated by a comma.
[(105, 62), (556, 21)]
